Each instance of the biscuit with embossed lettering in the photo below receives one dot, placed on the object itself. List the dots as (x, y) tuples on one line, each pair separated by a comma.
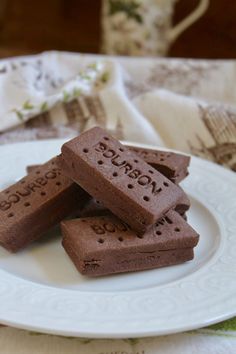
[(105, 245), (30, 168), (114, 175), (172, 165), (35, 203)]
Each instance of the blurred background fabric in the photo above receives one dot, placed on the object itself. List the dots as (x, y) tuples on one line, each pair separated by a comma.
[(29, 27)]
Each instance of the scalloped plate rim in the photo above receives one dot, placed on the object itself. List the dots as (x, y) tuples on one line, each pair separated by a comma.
[(110, 333)]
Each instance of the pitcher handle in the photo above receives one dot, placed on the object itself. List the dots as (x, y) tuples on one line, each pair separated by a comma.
[(188, 21)]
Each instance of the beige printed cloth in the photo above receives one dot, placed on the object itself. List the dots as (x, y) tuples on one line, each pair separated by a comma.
[(189, 105)]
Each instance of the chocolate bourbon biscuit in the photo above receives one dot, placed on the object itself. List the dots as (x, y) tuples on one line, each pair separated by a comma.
[(106, 245), (95, 208), (35, 203), (114, 175), (183, 204), (30, 168), (172, 165)]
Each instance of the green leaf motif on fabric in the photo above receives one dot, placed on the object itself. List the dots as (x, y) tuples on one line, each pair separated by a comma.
[(32, 333), (229, 325), (85, 76), (93, 66), (76, 92), (27, 105), (132, 341), (19, 114), (131, 8), (44, 107), (105, 77), (66, 96)]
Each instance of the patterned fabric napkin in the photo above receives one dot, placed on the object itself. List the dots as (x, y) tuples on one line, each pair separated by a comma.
[(189, 105)]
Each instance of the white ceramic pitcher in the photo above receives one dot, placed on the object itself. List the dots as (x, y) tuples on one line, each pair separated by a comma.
[(143, 27)]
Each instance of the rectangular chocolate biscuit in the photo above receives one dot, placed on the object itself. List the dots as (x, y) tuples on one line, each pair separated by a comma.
[(114, 175), (172, 165), (106, 245), (30, 168), (35, 203), (95, 208), (183, 204)]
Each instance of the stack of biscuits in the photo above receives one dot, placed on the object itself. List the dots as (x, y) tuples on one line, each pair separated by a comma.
[(130, 210)]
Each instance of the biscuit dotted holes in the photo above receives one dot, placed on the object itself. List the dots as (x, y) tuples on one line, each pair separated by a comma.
[(140, 236), (121, 239), (146, 198), (122, 150), (130, 186), (115, 174), (100, 162), (37, 172), (22, 182), (162, 159), (136, 161), (10, 215), (168, 220), (177, 229), (158, 232), (43, 194), (150, 171), (7, 192), (27, 204), (58, 183), (166, 184), (106, 138), (85, 151), (84, 220), (100, 240)]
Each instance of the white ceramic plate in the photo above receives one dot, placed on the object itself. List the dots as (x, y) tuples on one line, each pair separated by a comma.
[(41, 290)]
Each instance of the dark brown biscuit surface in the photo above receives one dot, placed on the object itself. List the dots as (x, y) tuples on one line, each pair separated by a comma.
[(105, 245), (95, 208), (183, 204), (174, 166), (35, 203), (30, 168), (123, 182)]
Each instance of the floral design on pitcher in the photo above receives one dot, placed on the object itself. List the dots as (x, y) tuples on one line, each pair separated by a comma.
[(135, 27), (130, 8)]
